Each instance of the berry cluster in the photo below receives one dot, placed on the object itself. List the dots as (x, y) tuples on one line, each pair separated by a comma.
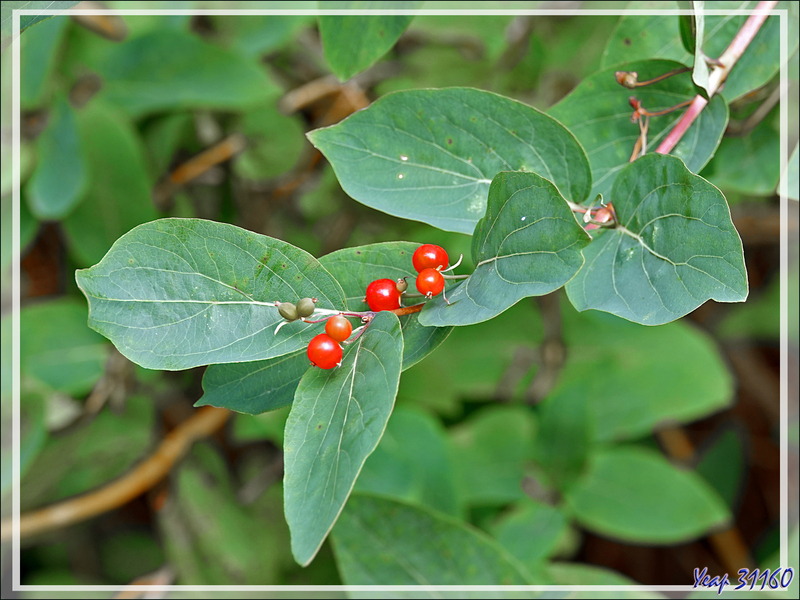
[(325, 350), (429, 260)]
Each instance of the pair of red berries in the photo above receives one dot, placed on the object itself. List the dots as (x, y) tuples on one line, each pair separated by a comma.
[(429, 260), (325, 350)]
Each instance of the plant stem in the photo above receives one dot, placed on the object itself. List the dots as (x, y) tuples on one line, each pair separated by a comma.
[(407, 310), (727, 59)]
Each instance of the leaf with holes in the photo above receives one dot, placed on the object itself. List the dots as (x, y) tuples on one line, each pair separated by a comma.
[(528, 244), (430, 155), (675, 247), (178, 293), (598, 112), (355, 268), (337, 419)]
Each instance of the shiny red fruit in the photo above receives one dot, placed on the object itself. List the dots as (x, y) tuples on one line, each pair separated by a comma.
[(338, 328), (429, 256), (324, 351), (382, 294), (430, 281)]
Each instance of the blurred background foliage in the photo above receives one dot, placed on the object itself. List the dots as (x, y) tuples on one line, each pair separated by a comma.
[(519, 433)]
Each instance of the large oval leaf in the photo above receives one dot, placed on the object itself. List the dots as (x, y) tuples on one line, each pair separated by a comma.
[(675, 249), (167, 68), (528, 244), (599, 114), (254, 387), (354, 42), (430, 155), (635, 495), (355, 268), (337, 419), (178, 293), (378, 542), (654, 385)]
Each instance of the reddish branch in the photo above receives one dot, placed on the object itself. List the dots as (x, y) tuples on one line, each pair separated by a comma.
[(175, 444), (727, 60), (408, 310)]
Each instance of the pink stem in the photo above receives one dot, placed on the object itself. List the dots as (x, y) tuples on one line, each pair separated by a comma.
[(728, 59)]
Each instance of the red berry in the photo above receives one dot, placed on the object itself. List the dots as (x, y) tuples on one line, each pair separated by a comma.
[(429, 256), (324, 351), (338, 328), (430, 281), (382, 294)]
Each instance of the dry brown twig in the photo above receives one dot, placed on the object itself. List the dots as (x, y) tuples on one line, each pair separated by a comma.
[(175, 444)]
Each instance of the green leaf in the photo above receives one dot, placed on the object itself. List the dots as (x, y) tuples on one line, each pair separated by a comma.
[(657, 36), (57, 348), (688, 28), (430, 155), (423, 475), (473, 361), (163, 136), (254, 387), (749, 165), (789, 178), (61, 175), (336, 421), (353, 43), (256, 35), (565, 433), (528, 244), (209, 537), (659, 376), (90, 456), (129, 553), (675, 248), (274, 143), (490, 451), (257, 428), (28, 228), (723, 465), (355, 268), (575, 574), (531, 532), (758, 319), (377, 542), (598, 112), (33, 430), (699, 68), (179, 293), (167, 69), (38, 55), (26, 21), (118, 194), (637, 496)]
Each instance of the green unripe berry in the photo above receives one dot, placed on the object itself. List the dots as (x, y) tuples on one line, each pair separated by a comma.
[(288, 311), (306, 306), (402, 285)]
